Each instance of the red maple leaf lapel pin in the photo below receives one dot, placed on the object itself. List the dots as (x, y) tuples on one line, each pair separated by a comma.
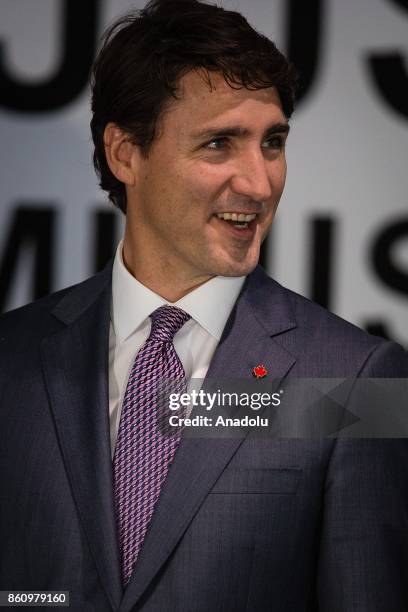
[(259, 371)]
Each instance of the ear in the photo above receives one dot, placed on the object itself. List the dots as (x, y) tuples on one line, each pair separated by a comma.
[(121, 154)]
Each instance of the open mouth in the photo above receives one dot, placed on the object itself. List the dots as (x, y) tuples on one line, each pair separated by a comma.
[(237, 220)]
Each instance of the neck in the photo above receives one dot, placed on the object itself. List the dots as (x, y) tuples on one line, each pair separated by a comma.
[(164, 277)]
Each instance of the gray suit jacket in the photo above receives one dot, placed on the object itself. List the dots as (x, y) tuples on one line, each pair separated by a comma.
[(241, 524)]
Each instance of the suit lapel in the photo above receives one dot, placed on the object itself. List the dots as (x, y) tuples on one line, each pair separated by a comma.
[(75, 363), (262, 311)]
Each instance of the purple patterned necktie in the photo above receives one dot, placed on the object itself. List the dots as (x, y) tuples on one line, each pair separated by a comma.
[(143, 451)]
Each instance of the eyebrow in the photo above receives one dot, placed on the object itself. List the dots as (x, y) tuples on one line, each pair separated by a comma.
[(231, 131)]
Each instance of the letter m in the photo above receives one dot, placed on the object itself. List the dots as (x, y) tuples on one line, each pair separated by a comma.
[(29, 239)]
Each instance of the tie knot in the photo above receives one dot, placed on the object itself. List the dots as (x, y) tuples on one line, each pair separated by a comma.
[(166, 321)]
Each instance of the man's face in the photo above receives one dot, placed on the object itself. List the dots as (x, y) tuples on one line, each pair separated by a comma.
[(218, 152)]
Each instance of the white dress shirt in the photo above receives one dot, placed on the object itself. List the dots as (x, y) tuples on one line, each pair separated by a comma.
[(209, 307)]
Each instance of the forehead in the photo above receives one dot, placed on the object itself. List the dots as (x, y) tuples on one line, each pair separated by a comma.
[(214, 102)]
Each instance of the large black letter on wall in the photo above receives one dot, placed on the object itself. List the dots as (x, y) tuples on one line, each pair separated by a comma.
[(321, 270), (390, 75), (33, 227), (78, 36), (387, 270), (304, 35), (105, 238)]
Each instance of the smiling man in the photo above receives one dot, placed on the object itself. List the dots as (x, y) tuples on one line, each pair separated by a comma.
[(190, 112), (203, 198)]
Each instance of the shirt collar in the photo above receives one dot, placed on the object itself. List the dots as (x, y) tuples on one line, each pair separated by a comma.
[(209, 305)]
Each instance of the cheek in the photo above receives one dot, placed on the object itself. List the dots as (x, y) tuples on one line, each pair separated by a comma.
[(278, 180), (283, 174), (200, 192)]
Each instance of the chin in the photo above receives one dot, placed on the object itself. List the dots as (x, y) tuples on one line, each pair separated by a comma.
[(237, 268)]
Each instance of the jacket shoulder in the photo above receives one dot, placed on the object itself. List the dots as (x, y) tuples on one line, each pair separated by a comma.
[(318, 320), (43, 316), (327, 343)]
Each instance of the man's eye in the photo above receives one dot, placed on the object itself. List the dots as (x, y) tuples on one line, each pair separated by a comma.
[(216, 143), (276, 142)]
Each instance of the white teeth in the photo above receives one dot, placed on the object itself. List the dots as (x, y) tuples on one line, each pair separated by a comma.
[(236, 217), (241, 225)]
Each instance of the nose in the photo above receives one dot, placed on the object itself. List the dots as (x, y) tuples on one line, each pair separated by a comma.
[(252, 176)]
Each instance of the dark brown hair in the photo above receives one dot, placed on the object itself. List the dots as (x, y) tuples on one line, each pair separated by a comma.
[(145, 53)]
